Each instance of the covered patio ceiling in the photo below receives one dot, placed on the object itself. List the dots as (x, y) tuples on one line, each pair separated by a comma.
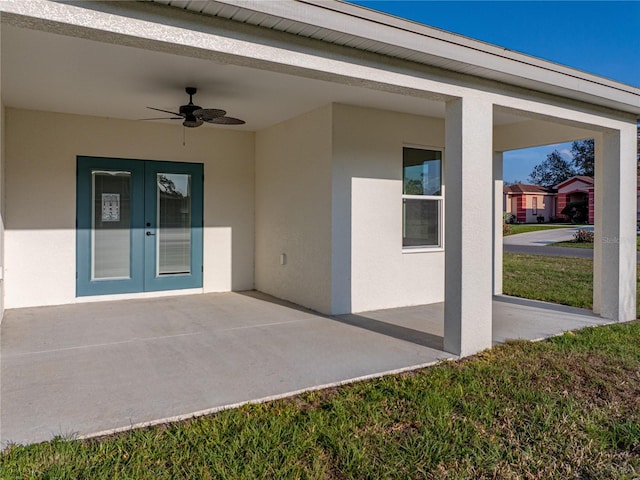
[(45, 71), (58, 73)]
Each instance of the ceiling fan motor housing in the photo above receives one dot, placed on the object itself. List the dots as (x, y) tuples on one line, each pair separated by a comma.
[(189, 109), (190, 119)]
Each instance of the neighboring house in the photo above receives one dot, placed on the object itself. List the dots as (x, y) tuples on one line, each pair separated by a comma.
[(368, 174), (576, 189), (527, 203)]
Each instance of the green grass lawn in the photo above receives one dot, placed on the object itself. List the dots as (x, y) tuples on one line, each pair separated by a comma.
[(565, 408), (564, 280), (524, 228)]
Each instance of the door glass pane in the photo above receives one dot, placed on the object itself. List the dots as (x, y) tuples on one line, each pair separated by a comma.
[(173, 224), (110, 225)]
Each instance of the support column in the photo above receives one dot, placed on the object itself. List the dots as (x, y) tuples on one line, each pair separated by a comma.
[(469, 225), (498, 210), (597, 224), (615, 263), (2, 194)]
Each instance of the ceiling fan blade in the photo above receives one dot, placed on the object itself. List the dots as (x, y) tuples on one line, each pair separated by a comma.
[(207, 114), (226, 121), (166, 111), (163, 118)]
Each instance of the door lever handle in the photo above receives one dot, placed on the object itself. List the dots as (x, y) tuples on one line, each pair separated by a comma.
[(149, 234)]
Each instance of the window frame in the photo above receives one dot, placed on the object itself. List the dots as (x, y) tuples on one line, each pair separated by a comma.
[(534, 205), (438, 198)]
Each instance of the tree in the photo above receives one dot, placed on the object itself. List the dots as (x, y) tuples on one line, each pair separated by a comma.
[(555, 169), (552, 171), (583, 157)]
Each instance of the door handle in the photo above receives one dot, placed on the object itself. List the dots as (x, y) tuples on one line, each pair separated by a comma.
[(150, 234)]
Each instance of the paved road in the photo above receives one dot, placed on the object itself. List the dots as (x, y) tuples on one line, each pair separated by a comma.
[(537, 243), (543, 237)]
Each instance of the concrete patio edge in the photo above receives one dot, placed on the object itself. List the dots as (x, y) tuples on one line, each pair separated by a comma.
[(258, 401)]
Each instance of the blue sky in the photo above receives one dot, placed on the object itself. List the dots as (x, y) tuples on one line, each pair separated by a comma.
[(600, 37)]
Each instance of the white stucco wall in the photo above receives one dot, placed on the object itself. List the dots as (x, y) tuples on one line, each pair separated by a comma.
[(40, 168), (371, 271), (293, 210), (2, 203), (329, 197)]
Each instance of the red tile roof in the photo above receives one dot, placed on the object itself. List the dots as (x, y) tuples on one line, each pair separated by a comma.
[(527, 188), (582, 178)]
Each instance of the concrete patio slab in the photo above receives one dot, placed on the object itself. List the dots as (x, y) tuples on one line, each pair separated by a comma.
[(87, 368)]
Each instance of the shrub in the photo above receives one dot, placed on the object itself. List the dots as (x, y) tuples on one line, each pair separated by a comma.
[(578, 212), (506, 228), (583, 236)]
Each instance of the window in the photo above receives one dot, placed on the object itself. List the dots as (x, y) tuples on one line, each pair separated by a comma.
[(534, 205), (421, 198)]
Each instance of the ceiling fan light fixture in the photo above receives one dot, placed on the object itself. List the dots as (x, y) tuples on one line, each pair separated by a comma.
[(192, 122)]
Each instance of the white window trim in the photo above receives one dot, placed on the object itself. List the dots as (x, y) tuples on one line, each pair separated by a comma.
[(439, 198)]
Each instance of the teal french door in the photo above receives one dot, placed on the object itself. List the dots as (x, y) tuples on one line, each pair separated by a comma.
[(139, 226)]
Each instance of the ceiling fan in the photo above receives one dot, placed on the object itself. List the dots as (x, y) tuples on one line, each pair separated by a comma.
[(194, 115)]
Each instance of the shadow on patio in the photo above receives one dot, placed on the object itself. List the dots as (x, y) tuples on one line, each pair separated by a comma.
[(87, 368)]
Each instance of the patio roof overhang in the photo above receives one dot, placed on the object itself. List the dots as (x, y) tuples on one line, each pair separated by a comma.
[(345, 24), (113, 59)]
